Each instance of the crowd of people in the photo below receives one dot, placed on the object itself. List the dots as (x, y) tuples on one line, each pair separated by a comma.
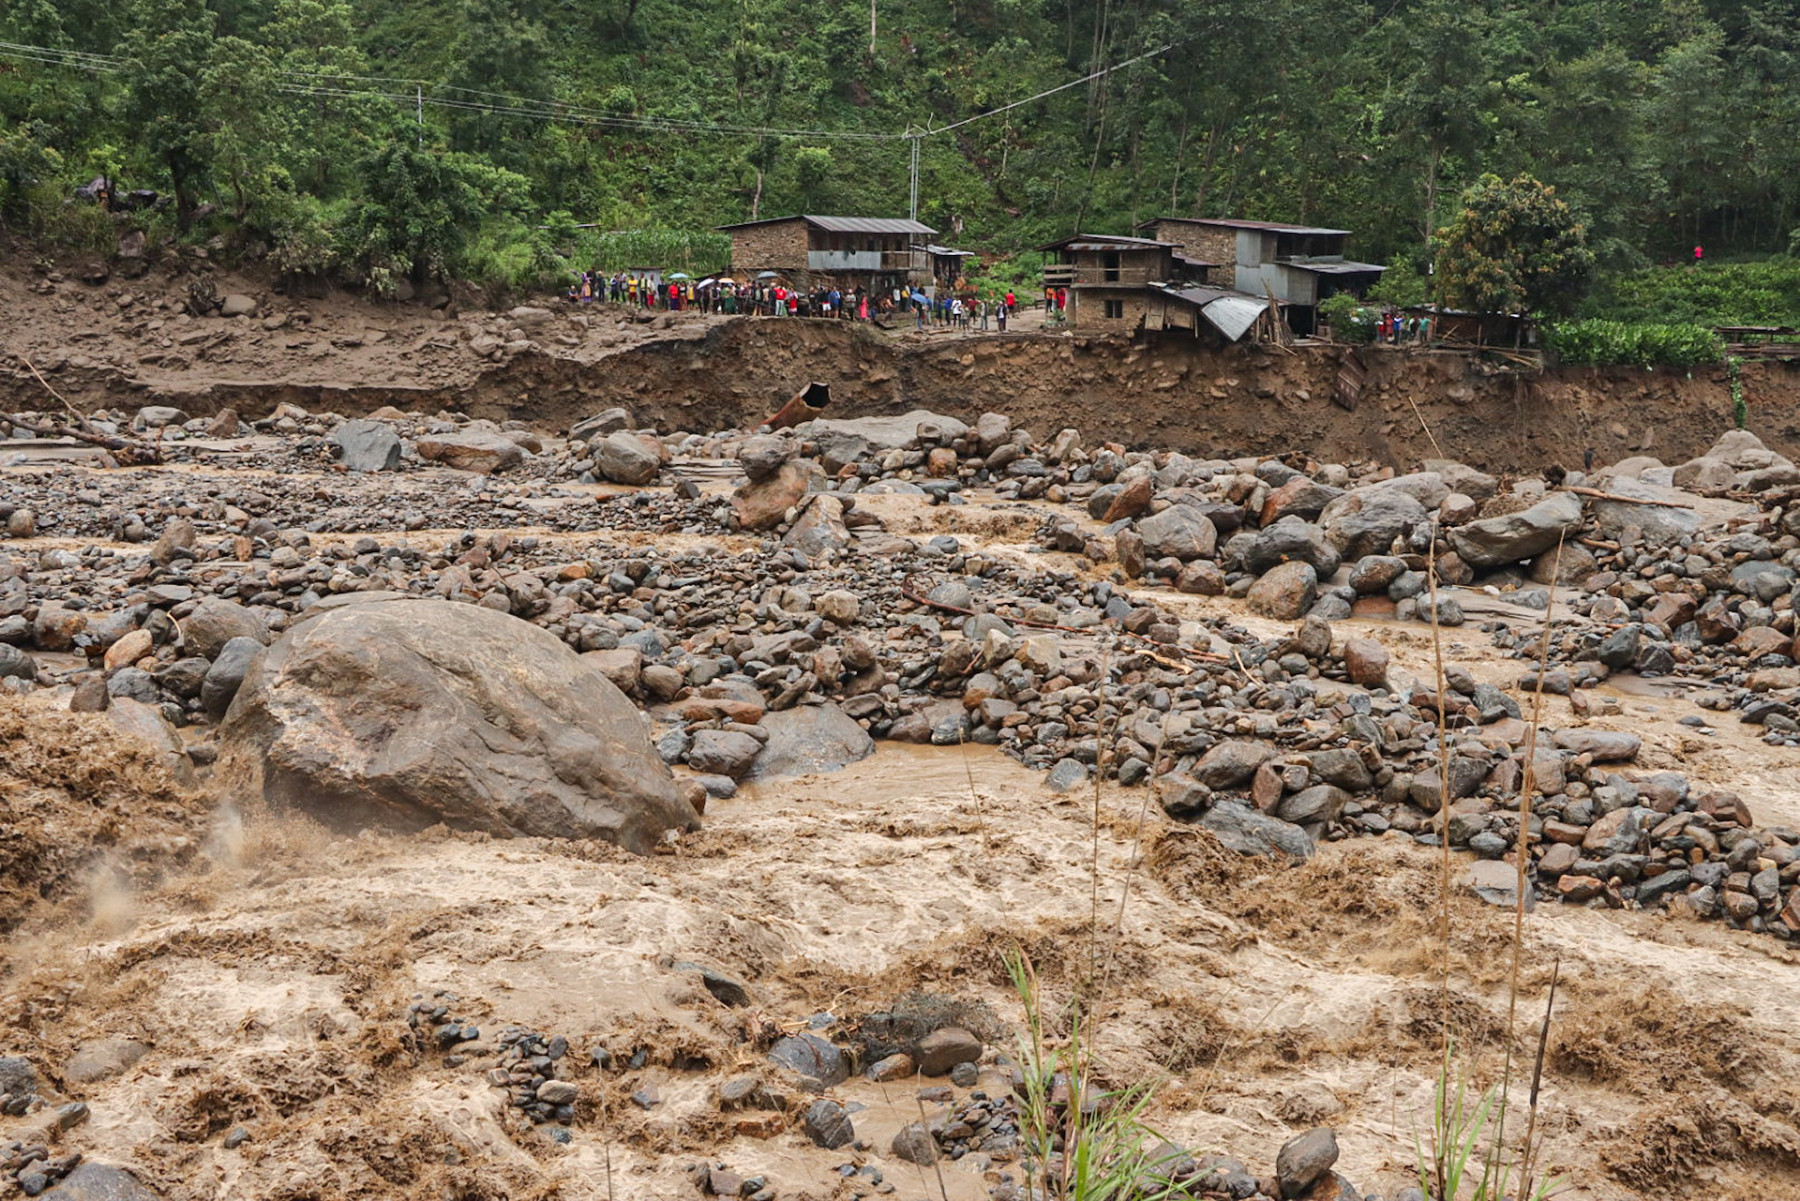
[(952, 308), (1396, 328)]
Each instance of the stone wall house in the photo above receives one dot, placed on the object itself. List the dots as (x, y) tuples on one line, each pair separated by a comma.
[(1298, 265), (876, 253)]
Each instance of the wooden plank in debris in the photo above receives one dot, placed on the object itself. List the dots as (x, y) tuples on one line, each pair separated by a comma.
[(1348, 388)]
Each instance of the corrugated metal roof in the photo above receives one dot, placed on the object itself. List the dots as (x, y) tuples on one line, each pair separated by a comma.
[(1105, 242), (1344, 268), (1190, 261), (1231, 313), (1276, 227), (870, 225), (845, 225), (945, 250)]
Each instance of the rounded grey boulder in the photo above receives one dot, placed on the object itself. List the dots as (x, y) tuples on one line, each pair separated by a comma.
[(412, 712)]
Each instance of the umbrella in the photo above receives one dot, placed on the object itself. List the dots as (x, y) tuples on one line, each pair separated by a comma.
[(706, 283), (768, 275), (678, 275)]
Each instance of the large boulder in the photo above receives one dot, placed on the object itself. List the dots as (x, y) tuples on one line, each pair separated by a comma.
[(819, 527), (607, 421), (1742, 450), (215, 622), (763, 504), (479, 451), (875, 433), (808, 739), (363, 445), (1460, 477), (1244, 830), (1178, 532), (1514, 537), (1655, 524), (1367, 521), (413, 712), (1290, 540), (626, 458), (1285, 592), (91, 1181)]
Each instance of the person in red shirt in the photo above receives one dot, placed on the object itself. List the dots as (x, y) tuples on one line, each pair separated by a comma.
[(1012, 302)]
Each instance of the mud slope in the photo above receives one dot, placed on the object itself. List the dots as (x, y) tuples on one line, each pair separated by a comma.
[(110, 347)]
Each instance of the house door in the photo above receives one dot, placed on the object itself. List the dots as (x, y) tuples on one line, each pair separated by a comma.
[(1109, 266)]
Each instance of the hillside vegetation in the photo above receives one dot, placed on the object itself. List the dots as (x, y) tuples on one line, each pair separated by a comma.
[(292, 128)]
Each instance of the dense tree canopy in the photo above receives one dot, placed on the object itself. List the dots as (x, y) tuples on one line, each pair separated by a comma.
[(1514, 247), (1663, 123)]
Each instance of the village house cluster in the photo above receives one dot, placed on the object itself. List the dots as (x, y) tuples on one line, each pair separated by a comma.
[(1213, 278)]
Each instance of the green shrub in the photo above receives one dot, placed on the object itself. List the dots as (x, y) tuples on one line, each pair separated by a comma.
[(1765, 292), (1599, 343), (1349, 320)]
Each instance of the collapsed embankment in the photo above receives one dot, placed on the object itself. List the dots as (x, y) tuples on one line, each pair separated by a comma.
[(701, 374)]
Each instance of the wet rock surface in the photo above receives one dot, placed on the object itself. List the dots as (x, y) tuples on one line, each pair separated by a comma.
[(463, 632)]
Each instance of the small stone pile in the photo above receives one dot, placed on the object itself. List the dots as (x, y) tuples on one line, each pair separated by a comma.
[(432, 1019), (30, 1164), (530, 1068)]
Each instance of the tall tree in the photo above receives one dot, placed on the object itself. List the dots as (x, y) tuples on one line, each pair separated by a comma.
[(165, 61), (1514, 247)]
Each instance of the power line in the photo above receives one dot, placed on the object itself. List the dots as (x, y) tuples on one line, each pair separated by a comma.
[(560, 111)]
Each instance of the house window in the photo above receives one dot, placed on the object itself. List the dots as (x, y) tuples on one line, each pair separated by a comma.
[(1115, 309), (1110, 267)]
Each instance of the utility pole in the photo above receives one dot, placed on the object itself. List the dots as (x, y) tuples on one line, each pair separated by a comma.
[(915, 138), (419, 96)]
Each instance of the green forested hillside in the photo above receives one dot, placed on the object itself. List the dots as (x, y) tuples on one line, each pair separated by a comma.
[(1664, 124)]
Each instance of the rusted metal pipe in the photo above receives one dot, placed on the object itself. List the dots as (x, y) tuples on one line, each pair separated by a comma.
[(807, 403)]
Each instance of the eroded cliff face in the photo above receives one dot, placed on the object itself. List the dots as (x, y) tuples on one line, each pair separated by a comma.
[(553, 366)]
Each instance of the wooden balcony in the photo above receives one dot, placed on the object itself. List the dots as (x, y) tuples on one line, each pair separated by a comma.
[(1070, 275)]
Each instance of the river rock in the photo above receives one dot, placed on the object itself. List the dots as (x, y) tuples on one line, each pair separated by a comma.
[(723, 752), (915, 1145), (1318, 805), (627, 458), (1231, 764), (809, 739), (1367, 521), (215, 622), (1285, 592), (819, 527), (1242, 829), (763, 504), (1290, 540), (828, 1125), (414, 712), (1656, 525), (1304, 1159), (479, 451), (1366, 661), (226, 674), (1301, 496), (1514, 537), (363, 445), (607, 421), (762, 455), (1605, 746), (16, 664), (102, 1059), (91, 1181), (1178, 532), (944, 1048), (819, 1064)]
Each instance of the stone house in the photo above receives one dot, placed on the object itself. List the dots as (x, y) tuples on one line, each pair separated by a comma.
[(1299, 265), (876, 253), (1126, 285)]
